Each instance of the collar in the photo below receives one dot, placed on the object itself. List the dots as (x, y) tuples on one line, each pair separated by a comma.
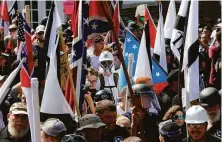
[(5, 134)]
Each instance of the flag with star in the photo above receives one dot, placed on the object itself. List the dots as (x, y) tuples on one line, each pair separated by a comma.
[(24, 35), (131, 45), (91, 22), (159, 77)]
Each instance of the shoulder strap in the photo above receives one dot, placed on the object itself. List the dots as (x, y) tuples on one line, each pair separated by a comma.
[(102, 81), (116, 78)]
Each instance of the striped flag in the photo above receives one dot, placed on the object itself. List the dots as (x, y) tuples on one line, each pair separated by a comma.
[(178, 31), (27, 68), (159, 47), (53, 23), (191, 54), (152, 27), (4, 17), (91, 22)]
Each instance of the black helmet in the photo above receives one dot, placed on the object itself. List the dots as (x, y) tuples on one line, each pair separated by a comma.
[(210, 96), (103, 95), (133, 26), (141, 89)]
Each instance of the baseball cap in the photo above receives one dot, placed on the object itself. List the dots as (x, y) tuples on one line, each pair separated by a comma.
[(18, 108), (169, 129), (90, 121), (40, 28), (54, 127), (13, 26)]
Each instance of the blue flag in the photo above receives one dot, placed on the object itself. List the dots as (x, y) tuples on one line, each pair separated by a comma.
[(158, 73), (131, 45)]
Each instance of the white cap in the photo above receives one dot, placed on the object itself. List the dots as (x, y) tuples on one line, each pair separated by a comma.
[(196, 115), (40, 28), (106, 56)]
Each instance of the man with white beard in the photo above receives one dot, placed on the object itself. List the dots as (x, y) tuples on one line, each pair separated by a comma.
[(210, 99), (18, 125)]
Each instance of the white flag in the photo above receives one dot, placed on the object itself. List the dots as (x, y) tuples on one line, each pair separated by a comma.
[(178, 32), (170, 20), (143, 64), (159, 47), (191, 53), (53, 101)]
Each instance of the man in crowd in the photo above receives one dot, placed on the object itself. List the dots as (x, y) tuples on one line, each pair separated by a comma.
[(145, 123), (210, 99), (53, 130), (95, 50), (91, 128), (196, 119), (106, 110), (17, 129)]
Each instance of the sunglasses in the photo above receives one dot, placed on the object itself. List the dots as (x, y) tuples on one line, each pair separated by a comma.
[(181, 117)]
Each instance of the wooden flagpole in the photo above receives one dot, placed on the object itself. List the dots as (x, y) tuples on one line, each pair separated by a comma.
[(108, 17), (27, 12), (69, 72)]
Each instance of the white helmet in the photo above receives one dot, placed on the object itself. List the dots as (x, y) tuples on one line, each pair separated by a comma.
[(196, 115), (106, 56)]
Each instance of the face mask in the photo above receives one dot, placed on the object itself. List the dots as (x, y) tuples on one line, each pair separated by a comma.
[(107, 67)]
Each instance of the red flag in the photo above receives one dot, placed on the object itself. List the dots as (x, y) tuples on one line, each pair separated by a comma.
[(116, 21), (4, 17), (152, 27), (27, 69), (74, 24)]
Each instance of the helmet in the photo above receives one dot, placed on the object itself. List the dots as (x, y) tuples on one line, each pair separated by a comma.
[(196, 115), (103, 95), (106, 56), (143, 90), (133, 26), (210, 96)]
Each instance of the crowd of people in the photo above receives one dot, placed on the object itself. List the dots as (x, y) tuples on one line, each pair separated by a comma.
[(109, 114)]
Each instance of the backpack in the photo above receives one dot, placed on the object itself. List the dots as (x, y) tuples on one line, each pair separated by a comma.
[(102, 81)]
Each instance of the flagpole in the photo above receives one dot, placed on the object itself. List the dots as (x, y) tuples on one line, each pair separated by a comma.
[(27, 12), (69, 72), (108, 17)]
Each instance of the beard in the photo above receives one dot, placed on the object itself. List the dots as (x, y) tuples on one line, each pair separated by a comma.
[(14, 132), (214, 118)]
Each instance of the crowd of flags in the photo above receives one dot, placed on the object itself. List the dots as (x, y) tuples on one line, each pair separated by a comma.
[(87, 21)]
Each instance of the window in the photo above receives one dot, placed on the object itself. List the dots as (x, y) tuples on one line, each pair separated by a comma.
[(33, 12), (48, 6)]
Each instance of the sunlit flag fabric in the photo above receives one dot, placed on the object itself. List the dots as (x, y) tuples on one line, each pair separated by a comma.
[(170, 22), (131, 45), (4, 17), (21, 36), (178, 31), (191, 54), (159, 47)]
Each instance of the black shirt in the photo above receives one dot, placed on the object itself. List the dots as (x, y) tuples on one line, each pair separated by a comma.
[(215, 130), (209, 138), (116, 135), (5, 136)]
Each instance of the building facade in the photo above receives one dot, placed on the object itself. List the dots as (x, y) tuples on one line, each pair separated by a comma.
[(39, 10)]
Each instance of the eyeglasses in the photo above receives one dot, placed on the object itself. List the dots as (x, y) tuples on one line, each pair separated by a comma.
[(198, 126), (40, 33), (92, 81), (181, 117)]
